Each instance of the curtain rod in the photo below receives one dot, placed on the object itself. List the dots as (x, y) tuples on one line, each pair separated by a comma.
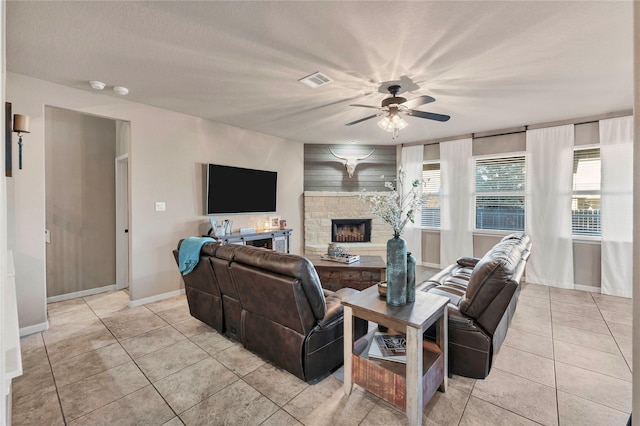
[(522, 129)]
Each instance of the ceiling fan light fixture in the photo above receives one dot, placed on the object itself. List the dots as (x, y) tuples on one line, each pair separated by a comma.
[(392, 123)]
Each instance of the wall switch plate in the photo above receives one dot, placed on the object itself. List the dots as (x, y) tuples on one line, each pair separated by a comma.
[(47, 236), (161, 206)]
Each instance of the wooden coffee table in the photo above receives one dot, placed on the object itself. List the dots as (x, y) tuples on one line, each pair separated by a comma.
[(408, 386), (369, 270)]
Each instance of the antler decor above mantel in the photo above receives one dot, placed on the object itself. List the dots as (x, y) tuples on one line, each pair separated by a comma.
[(351, 161)]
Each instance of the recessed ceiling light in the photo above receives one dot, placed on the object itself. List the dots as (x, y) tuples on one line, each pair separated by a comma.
[(353, 141), (315, 80), (97, 85), (120, 90)]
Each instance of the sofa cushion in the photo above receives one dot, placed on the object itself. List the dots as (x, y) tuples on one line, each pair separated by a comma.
[(226, 252), (288, 265), (492, 274), (467, 261)]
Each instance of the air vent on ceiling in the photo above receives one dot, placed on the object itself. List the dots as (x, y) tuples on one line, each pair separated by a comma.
[(315, 80)]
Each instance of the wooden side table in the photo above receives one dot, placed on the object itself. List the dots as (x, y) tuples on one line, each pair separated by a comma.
[(408, 386)]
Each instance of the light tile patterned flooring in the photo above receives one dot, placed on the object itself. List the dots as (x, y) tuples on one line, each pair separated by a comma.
[(566, 360)]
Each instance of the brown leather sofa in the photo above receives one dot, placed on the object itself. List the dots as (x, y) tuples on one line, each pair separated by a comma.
[(273, 304), (202, 290), (483, 294)]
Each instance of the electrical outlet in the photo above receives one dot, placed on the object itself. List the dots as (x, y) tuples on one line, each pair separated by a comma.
[(161, 206)]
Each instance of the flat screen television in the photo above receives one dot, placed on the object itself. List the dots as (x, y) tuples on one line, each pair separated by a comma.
[(239, 190)]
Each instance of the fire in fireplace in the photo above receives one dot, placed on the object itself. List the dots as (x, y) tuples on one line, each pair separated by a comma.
[(350, 230)]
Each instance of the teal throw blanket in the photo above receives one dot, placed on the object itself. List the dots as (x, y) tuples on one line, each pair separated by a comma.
[(189, 254)]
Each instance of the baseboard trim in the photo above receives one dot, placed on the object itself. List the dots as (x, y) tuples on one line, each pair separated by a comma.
[(588, 288), (36, 328), (81, 293), (431, 265), (156, 298)]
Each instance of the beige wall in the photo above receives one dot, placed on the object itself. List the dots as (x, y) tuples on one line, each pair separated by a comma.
[(80, 150), (166, 153)]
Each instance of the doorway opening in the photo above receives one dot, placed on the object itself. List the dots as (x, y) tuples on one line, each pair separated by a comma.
[(82, 191)]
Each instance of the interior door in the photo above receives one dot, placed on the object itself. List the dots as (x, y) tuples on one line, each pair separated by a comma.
[(122, 222)]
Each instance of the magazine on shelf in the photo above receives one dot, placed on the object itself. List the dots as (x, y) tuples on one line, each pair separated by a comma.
[(389, 347)]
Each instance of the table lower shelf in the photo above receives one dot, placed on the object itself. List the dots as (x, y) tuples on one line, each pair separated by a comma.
[(387, 379)]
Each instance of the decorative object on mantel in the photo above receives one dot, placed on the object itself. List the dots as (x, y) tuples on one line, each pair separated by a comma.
[(283, 224), (397, 209), (20, 126), (351, 162)]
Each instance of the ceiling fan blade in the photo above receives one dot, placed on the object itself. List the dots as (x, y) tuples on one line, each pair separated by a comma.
[(420, 100), (361, 120), (429, 115), (365, 106)]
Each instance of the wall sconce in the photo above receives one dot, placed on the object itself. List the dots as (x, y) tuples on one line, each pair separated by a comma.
[(20, 126)]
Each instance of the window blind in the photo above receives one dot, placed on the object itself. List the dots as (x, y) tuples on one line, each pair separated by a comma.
[(585, 202), (430, 216), (500, 186), (500, 174)]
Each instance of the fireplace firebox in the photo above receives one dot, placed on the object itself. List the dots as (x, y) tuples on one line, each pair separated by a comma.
[(350, 230)]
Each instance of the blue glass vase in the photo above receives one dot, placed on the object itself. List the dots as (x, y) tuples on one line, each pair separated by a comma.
[(411, 278), (396, 271)]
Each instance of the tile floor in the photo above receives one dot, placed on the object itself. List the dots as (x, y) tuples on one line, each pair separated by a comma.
[(566, 360)]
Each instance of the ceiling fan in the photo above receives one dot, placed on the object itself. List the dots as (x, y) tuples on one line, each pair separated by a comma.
[(395, 105)]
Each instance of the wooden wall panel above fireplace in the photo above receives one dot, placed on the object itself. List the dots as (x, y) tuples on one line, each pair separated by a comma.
[(324, 172)]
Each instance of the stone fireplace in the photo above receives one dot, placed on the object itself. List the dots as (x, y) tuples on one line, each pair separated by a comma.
[(323, 208)]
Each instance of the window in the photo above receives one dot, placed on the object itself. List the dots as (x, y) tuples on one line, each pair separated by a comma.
[(585, 202), (431, 188), (499, 193)]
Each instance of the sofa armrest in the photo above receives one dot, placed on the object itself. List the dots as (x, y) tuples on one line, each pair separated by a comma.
[(467, 261), (334, 305)]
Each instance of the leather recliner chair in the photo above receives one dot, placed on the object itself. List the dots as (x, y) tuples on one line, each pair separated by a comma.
[(287, 317), (483, 294)]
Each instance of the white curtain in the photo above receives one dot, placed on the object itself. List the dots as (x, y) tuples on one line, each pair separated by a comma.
[(412, 158), (456, 212), (616, 154), (549, 186)]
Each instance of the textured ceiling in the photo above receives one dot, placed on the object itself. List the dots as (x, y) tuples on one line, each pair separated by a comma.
[(490, 65)]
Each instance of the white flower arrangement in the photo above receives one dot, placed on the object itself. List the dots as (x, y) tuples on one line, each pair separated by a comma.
[(395, 208)]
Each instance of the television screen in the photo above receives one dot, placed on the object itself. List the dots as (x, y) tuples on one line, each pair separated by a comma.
[(240, 190)]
